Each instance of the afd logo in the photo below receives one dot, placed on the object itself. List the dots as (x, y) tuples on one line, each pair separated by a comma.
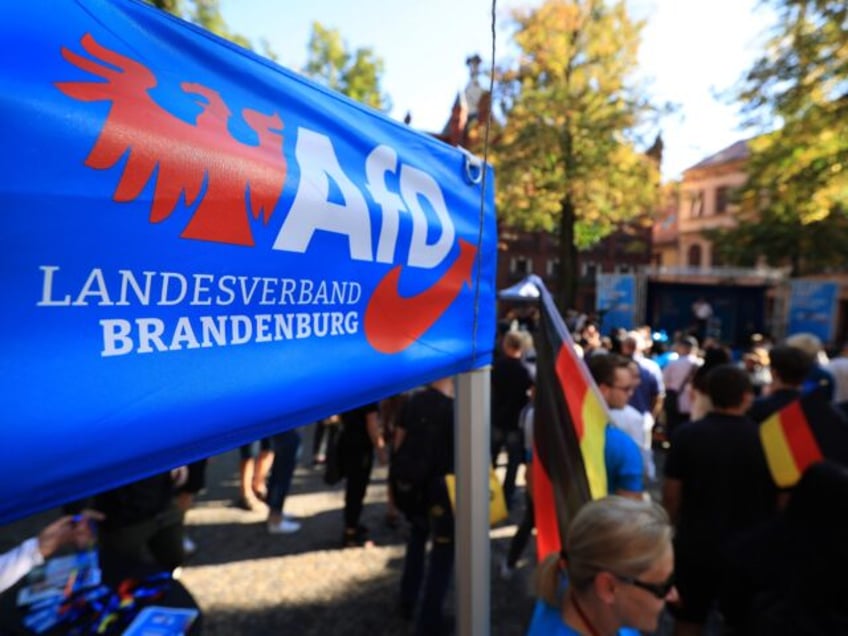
[(225, 182)]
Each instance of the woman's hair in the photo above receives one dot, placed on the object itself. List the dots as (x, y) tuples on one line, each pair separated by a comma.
[(613, 534)]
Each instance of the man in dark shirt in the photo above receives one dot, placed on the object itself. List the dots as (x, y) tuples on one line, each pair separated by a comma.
[(790, 369), (510, 385), (424, 454), (142, 518), (360, 437), (789, 366), (717, 486)]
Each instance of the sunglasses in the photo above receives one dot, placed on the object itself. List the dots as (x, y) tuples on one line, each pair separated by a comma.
[(660, 590)]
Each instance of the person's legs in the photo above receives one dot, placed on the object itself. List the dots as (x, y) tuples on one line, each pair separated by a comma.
[(392, 512), (357, 465), (247, 465), (522, 534), (497, 442), (166, 543), (318, 454), (413, 563), (264, 461), (439, 566), (185, 497), (515, 455), (285, 447)]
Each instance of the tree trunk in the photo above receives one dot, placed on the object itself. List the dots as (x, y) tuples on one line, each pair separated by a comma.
[(796, 250), (567, 293)]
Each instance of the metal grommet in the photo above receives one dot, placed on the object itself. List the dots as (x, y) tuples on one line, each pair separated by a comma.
[(473, 169)]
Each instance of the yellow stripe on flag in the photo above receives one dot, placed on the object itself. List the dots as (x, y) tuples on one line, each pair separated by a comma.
[(781, 461), (592, 444)]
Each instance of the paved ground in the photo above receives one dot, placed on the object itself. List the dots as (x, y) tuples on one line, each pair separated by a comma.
[(249, 582)]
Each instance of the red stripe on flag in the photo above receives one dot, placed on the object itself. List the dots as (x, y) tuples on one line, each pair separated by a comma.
[(573, 385), (799, 437), (544, 510)]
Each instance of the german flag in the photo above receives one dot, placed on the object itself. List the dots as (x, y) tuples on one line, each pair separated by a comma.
[(802, 433), (570, 418)]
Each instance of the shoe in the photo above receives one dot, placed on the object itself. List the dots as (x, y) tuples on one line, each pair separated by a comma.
[(356, 538), (245, 504), (283, 526), (189, 546)]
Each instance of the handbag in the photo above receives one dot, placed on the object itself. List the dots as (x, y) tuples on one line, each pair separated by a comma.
[(497, 501)]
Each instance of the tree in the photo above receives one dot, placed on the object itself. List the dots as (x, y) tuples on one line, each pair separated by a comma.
[(565, 158), (797, 188), (205, 13), (356, 74), (782, 239)]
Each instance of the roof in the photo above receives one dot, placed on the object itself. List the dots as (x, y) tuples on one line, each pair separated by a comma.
[(734, 152)]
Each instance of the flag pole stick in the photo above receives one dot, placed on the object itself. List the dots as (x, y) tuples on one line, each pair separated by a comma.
[(472, 507)]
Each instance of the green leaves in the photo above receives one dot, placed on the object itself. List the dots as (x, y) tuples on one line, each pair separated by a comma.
[(355, 74), (205, 13), (797, 189), (569, 102)]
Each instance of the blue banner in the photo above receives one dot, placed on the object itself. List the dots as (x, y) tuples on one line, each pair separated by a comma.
[(616, 301), (200, 248), (812, 308)]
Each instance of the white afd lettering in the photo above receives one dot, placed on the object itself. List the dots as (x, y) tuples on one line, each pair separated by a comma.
[(311, 209), (383, 159), (415, 183)]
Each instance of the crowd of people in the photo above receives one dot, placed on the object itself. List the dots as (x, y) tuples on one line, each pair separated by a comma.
[(747, 552), (722, 539)]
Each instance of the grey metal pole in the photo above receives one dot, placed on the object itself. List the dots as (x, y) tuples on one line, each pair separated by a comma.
[(472, 503)]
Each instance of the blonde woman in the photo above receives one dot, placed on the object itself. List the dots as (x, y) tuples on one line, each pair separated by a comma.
[(616, 575)]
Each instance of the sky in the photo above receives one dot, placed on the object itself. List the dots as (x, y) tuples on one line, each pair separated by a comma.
[(691, 51)]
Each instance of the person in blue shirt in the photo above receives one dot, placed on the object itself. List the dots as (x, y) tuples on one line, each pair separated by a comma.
[(615, 574), (622, 457)]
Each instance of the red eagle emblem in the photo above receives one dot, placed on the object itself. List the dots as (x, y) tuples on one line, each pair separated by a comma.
[(200, 161)]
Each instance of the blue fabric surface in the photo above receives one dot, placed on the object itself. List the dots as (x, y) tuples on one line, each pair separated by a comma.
[(197, 244)]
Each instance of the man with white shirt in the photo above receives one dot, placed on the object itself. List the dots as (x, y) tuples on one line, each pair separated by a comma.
[(648, 392), (838, 368), (702, 311), (677, 377)]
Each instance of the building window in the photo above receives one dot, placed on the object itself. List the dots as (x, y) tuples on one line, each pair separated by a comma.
[(589, 270), (624, 269), (521, 265), (694, 256), (696, 209), (552, 267), (722, 199)]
